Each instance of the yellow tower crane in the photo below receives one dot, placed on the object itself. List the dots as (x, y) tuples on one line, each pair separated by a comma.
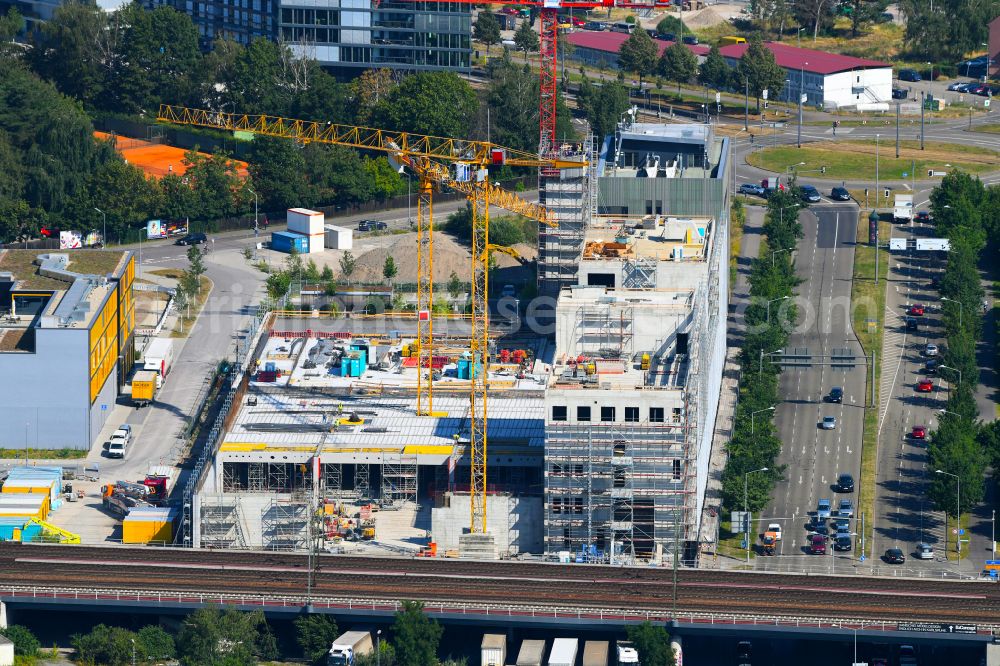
[(424, 155)]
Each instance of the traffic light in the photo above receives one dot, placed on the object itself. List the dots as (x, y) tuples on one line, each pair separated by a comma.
[(888, 193), (822, 169)]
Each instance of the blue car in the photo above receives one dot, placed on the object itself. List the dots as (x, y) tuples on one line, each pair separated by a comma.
[(910, 75), (823, 509), (810, 194)]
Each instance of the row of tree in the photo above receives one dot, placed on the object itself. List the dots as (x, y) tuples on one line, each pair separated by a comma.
[(756, 71), (966, 212), (754, 444)]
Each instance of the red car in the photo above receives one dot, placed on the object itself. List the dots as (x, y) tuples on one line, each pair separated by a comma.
[(817, 544), (923, 216), (916, 310), (919, 432), (925, 386)]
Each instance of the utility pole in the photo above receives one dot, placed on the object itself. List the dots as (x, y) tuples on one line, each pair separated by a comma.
[(876, 173), (746, 105), (802, 76), (922, 119), (897, 130)]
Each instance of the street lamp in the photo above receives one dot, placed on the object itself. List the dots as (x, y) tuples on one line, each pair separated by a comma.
[(876, 173), (255, 212), (945, 411), (787, 249), (802, 82), (958, 512), (948, 367), (104, 237), (378, 648), (752, 414), (790, 167), (961, 314), (780, 298), (760, 370), (746, 503)]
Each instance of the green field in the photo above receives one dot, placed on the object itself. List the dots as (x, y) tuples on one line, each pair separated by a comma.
[(855, 160)]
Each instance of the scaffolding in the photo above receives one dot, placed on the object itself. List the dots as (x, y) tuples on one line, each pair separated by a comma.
[(285, 524), (605, 330), (639, 273), (570, 197), (399, 480), (221, 522)]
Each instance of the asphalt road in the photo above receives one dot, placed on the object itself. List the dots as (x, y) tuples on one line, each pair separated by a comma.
[(814, 457)]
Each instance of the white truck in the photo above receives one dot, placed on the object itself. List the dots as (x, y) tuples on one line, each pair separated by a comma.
[(494, 650), (595, 653), (902, 210), (563, 652), (159, 357), (627, 654), (532, 652), (348, 646)]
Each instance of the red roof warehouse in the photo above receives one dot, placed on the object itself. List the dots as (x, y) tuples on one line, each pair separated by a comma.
[(601, 48), (810, 60)]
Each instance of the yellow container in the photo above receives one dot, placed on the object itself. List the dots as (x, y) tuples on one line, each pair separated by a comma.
[(146, 531)]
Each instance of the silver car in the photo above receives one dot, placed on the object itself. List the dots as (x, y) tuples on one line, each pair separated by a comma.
[(925, 551), (829, 423)]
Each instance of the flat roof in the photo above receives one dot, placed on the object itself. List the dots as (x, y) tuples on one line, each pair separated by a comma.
[(610, 42), (809, 60), (21, 263), (653, 237)]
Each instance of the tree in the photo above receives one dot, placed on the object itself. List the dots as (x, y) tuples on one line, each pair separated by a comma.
[(196, 264), (525, 38), (638, 54), (757, 66), (714, 72), (652, 643), (435, 103), (314, 634), (389, 270), (383, 179), (455, 286), (123, 192), (415, 636), (933, 33), (605, 106), (370, 89), (865, 11), (109, 646), (347, 264), (25, 643), (486, 29), (217, 188), (211, 636), (11, 24), (337, 173), (153, 643), (76, 51), (278, 172), (818, 13), (671, 25), (678, 64)]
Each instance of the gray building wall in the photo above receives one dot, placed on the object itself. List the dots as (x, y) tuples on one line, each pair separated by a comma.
[(48, 391), (647, 196)]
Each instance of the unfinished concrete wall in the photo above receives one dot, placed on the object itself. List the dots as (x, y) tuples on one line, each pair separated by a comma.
[(515, 523)]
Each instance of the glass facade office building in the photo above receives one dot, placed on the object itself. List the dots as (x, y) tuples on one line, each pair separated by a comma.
[(354, 34)]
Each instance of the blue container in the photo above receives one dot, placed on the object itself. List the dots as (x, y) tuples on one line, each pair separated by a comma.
[(353, 364), (284, 241), (465, 370)]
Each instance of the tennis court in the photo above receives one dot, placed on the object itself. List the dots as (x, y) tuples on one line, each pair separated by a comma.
[(156, 159)]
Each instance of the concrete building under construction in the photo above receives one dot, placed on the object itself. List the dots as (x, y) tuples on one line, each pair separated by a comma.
[(640, 347)]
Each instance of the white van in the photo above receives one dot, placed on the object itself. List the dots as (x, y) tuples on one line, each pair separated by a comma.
[(627, 28)]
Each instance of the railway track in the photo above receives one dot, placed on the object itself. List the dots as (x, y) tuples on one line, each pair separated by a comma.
[(529, 584)]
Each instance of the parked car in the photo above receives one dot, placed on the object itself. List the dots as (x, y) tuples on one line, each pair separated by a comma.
[(823, 509), (596, 26), (836, 395), (846, 508), (690, 39), (918, 432), (829, 423), (845, 483), (930, 349), (916, 310), (925, 386), (900, 93), (923, 216), (894, 556), (810, 194), (953, 87), (667, 36), (840, 194), (117, 448), (372, 225), (910, 75), (192, 239), (842, 542), (817, 544), (752, 189)]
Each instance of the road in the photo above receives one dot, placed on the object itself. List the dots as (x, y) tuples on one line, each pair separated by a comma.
[(814, 457)]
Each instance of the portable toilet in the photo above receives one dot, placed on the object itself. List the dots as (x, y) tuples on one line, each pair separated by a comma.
[(353, 364)]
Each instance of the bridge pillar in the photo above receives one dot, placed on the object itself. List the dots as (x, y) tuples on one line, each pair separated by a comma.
[(992, 654), (3, 615)]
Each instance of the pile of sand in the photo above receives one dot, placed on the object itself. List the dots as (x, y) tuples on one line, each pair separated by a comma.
[(708, 17), (449, 255)]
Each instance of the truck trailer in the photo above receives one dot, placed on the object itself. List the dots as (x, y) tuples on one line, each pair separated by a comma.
[(494, 650), (595, 653), (144, 385), (159, 356), (563, 652), (531, 654), (348, 646), (902, 210)]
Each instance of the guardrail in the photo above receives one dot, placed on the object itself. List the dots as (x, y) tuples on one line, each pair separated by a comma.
[(389, 606)]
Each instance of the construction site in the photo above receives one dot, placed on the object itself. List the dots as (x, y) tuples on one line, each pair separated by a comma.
[(367, 434)]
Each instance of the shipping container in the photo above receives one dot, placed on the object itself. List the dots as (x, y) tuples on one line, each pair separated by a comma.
[(595, 653), (144, 385), (563, 652), (148, 524), (338, 238), (284, 241), (305, 222), (532, 653), (494, 650)]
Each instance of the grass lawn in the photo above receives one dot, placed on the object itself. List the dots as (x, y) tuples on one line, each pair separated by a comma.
[(950, 550), (731, 544), (991, 128), (855, 160), (868, 302), (42, 454), (735, 240)]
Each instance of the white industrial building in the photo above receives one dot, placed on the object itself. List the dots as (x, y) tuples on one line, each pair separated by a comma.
[(828, 80)]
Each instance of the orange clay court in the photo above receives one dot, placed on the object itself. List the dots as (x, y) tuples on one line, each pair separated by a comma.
[(156, 159)]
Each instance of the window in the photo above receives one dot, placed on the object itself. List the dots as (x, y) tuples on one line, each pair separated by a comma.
[(583, 413), (607, 414), (558, 412), (631, 414), (677, 470), (656, 414), (677, 415)]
